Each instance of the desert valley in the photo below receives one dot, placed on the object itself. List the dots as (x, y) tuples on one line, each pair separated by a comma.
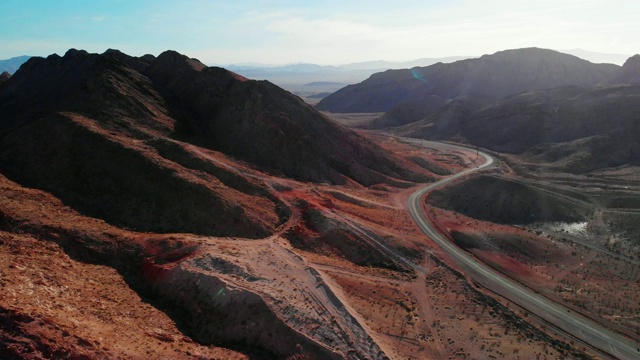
[(154, 207)]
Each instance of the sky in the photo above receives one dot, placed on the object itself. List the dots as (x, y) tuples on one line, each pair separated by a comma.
[(330, 32)]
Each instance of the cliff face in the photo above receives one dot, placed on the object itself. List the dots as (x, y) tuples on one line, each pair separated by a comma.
[(263, 124), (498, 75)]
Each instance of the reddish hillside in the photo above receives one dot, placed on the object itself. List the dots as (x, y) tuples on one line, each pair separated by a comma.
[(630, 72), (569, 128), (110, 135)]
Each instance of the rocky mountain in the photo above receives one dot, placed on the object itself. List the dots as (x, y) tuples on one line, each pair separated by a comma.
[(307, 80), (126, 139), (569, 128), (299, 74), (498, 75)]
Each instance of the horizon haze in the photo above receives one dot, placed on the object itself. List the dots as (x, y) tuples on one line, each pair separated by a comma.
[(327, 33)]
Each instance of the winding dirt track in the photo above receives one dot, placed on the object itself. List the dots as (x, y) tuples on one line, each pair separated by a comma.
[(592, 334)]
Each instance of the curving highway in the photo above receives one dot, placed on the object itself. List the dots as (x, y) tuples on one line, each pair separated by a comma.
[(579, 327)]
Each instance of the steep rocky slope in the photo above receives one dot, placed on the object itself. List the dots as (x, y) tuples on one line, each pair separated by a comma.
[(160, 172), (109, 134), (571, 128), (498, 75), (507, 201), (258, 122), (73, 280)]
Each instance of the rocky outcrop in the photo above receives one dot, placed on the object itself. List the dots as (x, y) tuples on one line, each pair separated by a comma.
[(261, 123), (129, 184)]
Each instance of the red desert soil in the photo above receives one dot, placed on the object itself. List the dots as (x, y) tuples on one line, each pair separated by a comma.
[(347, 275), (53, 305)]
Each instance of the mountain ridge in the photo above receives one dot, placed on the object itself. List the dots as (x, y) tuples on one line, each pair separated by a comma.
[(570, 128), (497, 75), (148, 113), (11, 65)]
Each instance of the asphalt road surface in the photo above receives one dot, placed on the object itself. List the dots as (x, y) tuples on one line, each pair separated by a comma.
[(586, 330)]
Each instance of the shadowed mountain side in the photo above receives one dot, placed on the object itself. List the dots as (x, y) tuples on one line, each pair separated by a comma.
[(501, 74), (98, 86), (98, 132), (572, 128), (124, 181), (261, 123)]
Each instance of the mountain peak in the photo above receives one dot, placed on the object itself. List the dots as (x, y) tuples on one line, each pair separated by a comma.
[(497, 75), (174, 58), (75, 53), (13, 64), (535, 54)]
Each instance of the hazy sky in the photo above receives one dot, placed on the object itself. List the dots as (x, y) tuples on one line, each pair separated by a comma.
[(322, 32)]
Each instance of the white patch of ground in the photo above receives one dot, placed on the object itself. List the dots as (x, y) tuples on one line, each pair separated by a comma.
[(577, 228)]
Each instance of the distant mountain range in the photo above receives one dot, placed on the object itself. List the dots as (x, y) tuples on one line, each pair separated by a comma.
[(12, 65), (121, 137), (294, 77)]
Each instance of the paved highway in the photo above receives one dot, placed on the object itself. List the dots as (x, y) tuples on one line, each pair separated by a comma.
[(588, 331)]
